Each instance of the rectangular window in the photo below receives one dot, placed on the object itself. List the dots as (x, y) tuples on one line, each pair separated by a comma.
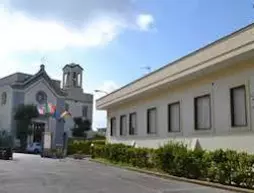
[(174, 117), (151, 121), (133, 124), (84, 111), (202, 112), (123, 125), (238, 106), (113, 126)]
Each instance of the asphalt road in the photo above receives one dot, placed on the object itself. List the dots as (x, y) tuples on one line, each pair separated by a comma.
[(32, 174)]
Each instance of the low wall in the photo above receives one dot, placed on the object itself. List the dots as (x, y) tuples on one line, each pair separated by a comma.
[(243, 142)]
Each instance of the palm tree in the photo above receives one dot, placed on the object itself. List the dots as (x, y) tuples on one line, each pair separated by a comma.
[(24, 115)]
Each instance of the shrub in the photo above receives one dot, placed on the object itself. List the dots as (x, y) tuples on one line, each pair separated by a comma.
[(79, 146), (139, 157), (98, 142), (82, 146), (223, 166)]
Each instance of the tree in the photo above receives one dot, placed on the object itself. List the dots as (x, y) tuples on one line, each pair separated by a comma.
[(5, 139), (24, 115), (80, 127)]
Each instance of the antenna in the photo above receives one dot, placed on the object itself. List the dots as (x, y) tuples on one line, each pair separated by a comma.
[(148, 68)]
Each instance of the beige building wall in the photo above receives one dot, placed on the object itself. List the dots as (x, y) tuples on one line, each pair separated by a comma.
[(221, 135)]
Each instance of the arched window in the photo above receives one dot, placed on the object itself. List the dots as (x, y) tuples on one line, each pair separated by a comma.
[(4, 98)]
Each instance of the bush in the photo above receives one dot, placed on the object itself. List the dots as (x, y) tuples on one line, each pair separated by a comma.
[(82, 146), (79, 146), (99, 137), (139, 157), (223, 166), (98, 142)]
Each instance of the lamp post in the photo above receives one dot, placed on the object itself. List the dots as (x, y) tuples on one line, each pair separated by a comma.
[(101, 91)]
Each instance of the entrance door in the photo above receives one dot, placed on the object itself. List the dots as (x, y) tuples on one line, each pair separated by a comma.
[(38, 130)]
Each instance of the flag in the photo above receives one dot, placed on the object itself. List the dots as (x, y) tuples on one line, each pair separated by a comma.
[(56, 115), (65, 114), (40, 110), (52, 108), (48, 108)]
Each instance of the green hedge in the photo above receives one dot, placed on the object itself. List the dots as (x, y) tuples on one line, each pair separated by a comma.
[(82, 146), (222, 166)]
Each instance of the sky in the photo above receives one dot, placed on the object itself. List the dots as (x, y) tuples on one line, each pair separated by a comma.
[(113, 40)]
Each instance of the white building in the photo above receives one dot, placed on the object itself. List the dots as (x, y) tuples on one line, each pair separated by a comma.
[(206, 96), (38, 89)]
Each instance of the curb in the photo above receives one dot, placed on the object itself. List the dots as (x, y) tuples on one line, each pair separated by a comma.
[(170, 177)]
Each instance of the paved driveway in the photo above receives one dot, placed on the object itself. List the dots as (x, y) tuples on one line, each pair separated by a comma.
[(32, 174)]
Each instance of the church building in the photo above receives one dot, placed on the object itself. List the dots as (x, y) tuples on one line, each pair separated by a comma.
[(39, 89)]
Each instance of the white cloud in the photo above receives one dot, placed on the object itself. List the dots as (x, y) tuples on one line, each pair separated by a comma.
[(10, 65), (100, 116), (107, 87), (25, 30), (19, 32), (145, 22)]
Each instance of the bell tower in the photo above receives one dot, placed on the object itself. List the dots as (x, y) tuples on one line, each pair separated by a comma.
[(72, 77)]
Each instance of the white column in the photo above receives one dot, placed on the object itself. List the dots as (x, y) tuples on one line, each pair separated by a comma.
[(64, 80), (81, 80)]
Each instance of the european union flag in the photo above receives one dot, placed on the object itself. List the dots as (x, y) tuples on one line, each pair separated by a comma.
[(56, 115)]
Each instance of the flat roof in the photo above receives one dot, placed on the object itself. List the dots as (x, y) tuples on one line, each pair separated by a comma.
[(183, 58)]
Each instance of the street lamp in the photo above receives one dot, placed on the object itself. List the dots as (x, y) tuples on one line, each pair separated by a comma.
[(102, 91)]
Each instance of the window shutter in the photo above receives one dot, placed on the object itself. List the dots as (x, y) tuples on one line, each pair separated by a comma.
[(113, 126), (133, 124), (238, 106), (174, 117), (123, 125), (152, 121), (203, 112)]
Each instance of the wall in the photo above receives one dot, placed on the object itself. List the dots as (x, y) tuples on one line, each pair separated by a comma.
[(217, 85), (75, 108), (17, 99), (30, 93), (59, 126), (54, 126), (6, 110)]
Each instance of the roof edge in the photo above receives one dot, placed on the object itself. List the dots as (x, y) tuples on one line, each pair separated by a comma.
[(226, 37)]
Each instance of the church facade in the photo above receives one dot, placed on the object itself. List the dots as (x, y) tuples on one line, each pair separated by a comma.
[(38, 89)]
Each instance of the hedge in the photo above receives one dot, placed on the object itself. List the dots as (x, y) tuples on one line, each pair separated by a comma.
[(222, 166), (82, 146)]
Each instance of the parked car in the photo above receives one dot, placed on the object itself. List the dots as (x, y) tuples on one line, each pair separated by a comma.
[(6, 153), (6, 145), (34, 148)]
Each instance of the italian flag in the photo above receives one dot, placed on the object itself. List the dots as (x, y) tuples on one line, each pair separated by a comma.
[(47, 109)]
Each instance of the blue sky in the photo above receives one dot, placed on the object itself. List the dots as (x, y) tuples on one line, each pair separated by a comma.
[(112, 40)]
